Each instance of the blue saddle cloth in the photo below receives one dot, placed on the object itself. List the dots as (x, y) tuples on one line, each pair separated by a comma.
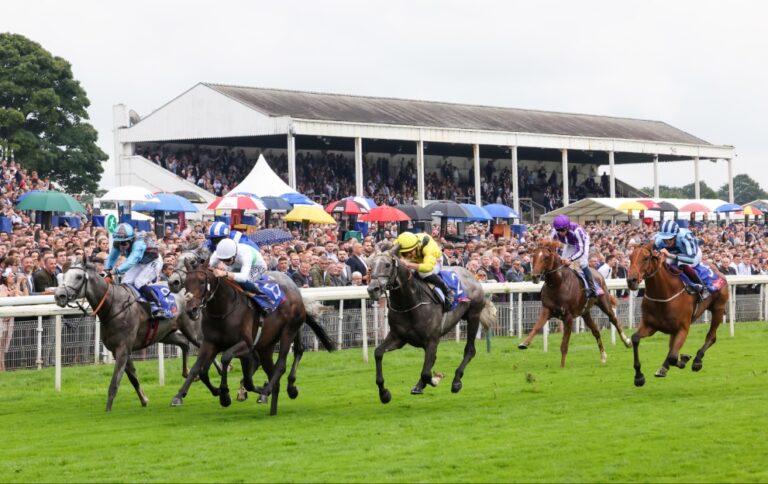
[(598, 289), (710, 279), (451, 279), (164, 295), (271, 296)]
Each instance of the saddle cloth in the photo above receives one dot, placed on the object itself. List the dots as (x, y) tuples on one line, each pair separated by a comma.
[(164, 295), (710, 279), (598, 289), (452, 281), (271, 295)]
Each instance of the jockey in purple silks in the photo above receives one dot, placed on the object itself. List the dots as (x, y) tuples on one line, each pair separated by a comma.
[(575, 246)]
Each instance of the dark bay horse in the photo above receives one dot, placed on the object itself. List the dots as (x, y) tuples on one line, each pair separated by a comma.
[(669, 308), (416, 316), (235, 326), (126, 325), (563, 296)]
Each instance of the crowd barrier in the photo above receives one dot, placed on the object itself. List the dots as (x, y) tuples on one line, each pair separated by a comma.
[(45, 335)]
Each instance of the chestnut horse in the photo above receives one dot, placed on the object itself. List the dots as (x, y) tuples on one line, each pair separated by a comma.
[(563, 296), (669, 308)]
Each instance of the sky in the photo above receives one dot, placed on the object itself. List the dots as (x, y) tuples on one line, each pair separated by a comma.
[(697, 65)]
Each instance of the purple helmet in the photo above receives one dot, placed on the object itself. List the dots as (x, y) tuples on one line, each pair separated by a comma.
[(561, 222)]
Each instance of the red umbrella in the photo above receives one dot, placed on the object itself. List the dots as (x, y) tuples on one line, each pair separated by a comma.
[(237, 202), (649, 203), (695, 207), (385, 213), (346, 207)]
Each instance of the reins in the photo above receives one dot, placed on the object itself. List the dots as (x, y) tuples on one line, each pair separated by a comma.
[(652, 275)]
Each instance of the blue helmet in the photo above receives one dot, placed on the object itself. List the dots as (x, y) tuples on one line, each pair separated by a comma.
[(669, 229), (123, 233), (218, 230)]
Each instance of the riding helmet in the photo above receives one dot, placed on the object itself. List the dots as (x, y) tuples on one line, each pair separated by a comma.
[(561, 222), (226, 249), (123, 233), (407, 241), (669, 229), (218, 230)]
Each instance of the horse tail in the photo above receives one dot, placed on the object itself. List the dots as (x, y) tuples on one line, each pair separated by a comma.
[(488, 315), (314, 310)]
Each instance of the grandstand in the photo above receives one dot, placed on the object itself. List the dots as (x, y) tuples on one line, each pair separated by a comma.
[(329, 145)]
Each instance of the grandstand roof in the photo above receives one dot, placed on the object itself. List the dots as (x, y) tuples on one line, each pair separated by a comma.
[(405, 112)]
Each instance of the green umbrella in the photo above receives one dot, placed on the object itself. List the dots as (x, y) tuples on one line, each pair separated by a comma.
[(50, 201)]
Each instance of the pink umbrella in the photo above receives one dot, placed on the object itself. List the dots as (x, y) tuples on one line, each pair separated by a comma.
[(649, 203), (695, 207), (346, 207), (237, 202)]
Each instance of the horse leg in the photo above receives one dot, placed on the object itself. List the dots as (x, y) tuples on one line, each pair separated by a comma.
[(204, 358), (596, 333), (241, 348), (604, 303), (708, 341), (249, 364), (273, 387), (469, 353), (674, 358), (567, 329), (642, 332), (391, 342), (430, 355), (182, 342), (121, 360), (130, 370), (543, 318), (298, 353)]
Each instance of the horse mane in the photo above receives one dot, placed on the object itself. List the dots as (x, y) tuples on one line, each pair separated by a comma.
[(552, 245)]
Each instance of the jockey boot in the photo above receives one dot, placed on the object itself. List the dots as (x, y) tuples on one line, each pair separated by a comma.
[(439, 282), (696, 284), (590, 282), (155, 307)]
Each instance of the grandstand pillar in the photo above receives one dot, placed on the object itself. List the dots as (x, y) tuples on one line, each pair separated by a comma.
[(515, 181), (696, 183), (120, 119), (359, 167), (566, 195), (291, 160), (476, 156), (611, 164), (420, 172), (655, 176), (730, 180)]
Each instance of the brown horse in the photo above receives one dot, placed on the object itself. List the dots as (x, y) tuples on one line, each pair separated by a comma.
[(669, 308), (563, 296)]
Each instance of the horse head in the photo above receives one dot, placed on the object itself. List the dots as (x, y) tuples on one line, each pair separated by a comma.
[(643, 262), (199, 291), (545, 259), (190, 260), (75, 282), (383, 272)]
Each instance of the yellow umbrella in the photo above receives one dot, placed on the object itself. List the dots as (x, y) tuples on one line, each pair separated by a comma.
[(310, 213), (629, 205)]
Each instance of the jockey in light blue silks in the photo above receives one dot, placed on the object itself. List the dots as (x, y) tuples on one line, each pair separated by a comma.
[(142, 263), (575, 242), (681, 247)]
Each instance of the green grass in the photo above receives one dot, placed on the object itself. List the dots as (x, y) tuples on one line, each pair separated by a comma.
[(519, 418)]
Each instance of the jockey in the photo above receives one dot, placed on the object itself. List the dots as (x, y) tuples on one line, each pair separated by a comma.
[(681, 246), (422, 254), (246, 262), (576, 246), (142, 263), (219, 231)]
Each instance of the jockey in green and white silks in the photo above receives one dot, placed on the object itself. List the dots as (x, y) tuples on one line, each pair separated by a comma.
[(239, 262)]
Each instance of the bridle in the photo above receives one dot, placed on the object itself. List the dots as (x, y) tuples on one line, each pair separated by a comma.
[(75, 294), (551, 255), (392, 283), (650, 275), (208, 292)]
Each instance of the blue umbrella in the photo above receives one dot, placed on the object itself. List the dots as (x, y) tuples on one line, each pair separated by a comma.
[(169, 202), (478, 213), (271, 236), (498, 210), (277, 203), (729, 207), (297, 199)]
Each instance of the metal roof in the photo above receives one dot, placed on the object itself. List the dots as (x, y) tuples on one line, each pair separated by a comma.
[(404, 112)]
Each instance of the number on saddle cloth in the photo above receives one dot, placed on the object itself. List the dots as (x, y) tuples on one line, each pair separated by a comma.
[(452, 280), (710, 279), (270, 295)]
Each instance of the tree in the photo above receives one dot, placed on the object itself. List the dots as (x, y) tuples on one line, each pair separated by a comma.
[(745, 189), (689, 191), (666, 192), (42, 113)]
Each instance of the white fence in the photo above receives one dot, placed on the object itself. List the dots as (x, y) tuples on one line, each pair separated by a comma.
[(44, 335)]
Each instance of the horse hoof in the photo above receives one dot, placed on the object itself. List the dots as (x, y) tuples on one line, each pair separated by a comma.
[(242, 395), (385, 396), (225, 400), (262, 399), (456, 387), (522, 346), (417, 390), (683, 361), (697, 365), (176, 402), (661, 372), (603, 357), (293, 392), (639, 381)]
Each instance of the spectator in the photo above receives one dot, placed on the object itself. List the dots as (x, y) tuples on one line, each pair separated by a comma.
[(45, 281)]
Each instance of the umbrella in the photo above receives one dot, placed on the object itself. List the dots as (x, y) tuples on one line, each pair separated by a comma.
[(447, 209), (498, 210), (629, 205), (169, 202), (130, 193), (695, 207), (478, 213), (50, 201), (754, 211), (729, 207), (271, 236), (346, 207), (297, 199), (236, 202), (366, 202), (649, 204), (309, 213), (26, 194), (277, 203), (665, 207), (385, 213), (416, 212)]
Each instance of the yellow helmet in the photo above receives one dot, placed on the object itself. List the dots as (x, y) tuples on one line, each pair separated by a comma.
[(408, 241)]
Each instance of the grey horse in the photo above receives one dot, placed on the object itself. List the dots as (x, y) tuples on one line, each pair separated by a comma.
[(416, 316), (126, 325)]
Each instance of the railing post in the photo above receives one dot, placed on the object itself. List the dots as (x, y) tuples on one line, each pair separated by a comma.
[(57, 358), (160, 364), (511, 312), (375, 306), (364, 330), (39, 361), (519, 314), (340, 336), (96, 340), (546, 336)]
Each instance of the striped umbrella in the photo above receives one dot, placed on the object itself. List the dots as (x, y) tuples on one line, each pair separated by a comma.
[(237, 202)]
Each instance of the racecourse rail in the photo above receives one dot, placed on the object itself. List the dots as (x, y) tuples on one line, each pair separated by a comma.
[(515, 310)]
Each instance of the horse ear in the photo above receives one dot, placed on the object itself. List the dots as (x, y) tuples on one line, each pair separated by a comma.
[(394, 250)]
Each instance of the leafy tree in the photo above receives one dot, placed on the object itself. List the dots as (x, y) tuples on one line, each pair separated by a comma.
[(666, 192), (689, 191), (745, 189), (42, 113)]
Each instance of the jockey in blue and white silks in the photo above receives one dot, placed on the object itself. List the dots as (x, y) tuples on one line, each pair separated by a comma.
[(575, 242), (219, 231), (681, 247)]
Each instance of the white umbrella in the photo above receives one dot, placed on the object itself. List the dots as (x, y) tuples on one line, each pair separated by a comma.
[(130, 193)]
